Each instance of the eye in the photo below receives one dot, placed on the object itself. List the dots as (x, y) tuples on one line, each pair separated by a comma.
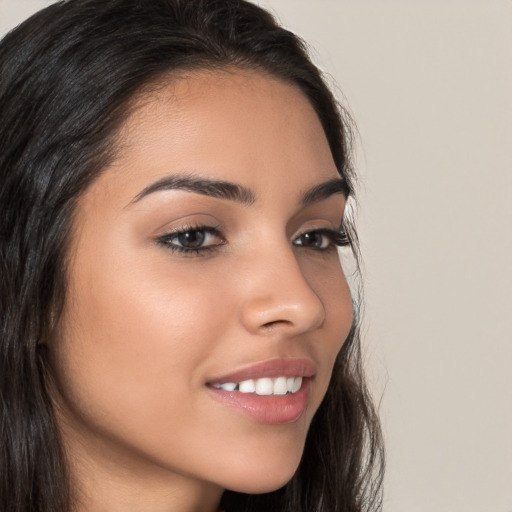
[(322, 239), (193, 239)]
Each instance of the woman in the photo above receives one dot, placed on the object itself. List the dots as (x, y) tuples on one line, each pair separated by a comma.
[(177, 331)]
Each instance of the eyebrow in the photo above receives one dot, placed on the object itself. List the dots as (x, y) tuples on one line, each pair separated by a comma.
[(238, 193), (203, 186), (325, 190)]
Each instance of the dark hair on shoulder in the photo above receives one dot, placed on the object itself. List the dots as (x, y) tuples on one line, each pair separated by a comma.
[(67, 76)]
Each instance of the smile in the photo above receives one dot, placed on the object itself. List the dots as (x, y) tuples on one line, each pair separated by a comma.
[(264, 386), (275, 391)]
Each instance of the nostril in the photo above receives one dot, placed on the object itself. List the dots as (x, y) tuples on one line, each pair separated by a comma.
[(269, 326)]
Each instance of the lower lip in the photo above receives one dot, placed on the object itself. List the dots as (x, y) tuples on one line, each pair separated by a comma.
[(270, 409)]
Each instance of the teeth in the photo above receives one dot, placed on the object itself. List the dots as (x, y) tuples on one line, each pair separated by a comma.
[(228, 386), (297, 383), (247, 386), (264, 386), (280, 387)]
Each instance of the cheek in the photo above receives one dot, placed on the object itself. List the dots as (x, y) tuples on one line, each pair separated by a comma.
[(133, 339), (139, 320), (330, 285), (327, 279)]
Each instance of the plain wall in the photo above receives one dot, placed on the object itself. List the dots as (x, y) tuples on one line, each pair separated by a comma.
[(429, 84)]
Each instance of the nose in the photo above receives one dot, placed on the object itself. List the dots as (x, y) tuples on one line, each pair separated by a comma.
[(277, 296)]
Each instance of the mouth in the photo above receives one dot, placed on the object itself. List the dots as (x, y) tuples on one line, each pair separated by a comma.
[(264, 386), (272, 392)]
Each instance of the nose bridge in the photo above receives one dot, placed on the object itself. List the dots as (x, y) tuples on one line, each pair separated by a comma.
[(278, 294)]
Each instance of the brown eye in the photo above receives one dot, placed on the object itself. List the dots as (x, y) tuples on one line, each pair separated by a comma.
[(193, 239), (313, 239), (322, 239)]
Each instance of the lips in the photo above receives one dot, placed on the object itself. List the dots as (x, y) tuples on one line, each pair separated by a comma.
[(243, 390)]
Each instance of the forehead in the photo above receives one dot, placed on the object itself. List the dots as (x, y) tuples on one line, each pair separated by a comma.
[(238, 126)]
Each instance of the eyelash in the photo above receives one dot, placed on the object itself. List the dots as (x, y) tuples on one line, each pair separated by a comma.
[(167, 239), (334, 238)]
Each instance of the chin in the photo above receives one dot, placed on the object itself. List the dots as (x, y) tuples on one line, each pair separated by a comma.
[(261, 483), (251, 477)]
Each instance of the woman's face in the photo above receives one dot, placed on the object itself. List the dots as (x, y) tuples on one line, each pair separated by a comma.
[(201, 259)]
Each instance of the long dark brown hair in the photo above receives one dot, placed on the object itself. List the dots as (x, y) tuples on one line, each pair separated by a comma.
[(67, 78)]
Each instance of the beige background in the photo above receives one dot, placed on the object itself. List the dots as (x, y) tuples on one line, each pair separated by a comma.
[(429, 83)]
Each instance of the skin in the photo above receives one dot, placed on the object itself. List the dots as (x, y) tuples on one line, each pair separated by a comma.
[(145, 328)]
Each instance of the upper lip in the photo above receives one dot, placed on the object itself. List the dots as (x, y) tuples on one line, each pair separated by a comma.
[(272, 368)]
